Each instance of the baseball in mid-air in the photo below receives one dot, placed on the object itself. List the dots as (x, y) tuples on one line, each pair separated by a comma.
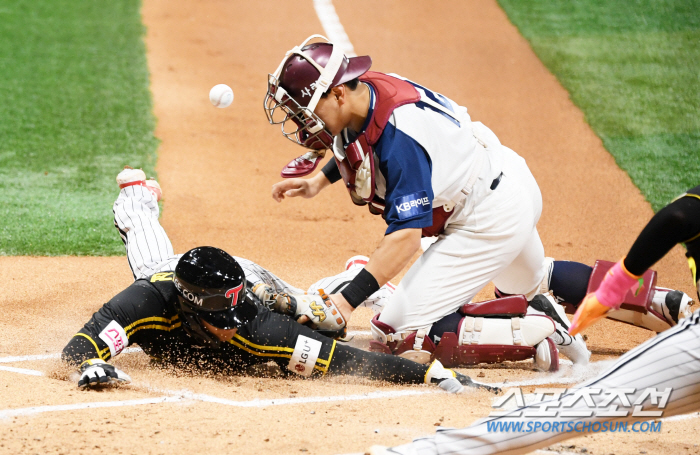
[(221, 95)]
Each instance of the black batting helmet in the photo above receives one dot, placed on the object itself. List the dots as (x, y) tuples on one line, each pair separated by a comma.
[(211, 287)]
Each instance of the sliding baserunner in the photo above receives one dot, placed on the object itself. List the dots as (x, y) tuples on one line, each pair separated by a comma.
[(199, 310)]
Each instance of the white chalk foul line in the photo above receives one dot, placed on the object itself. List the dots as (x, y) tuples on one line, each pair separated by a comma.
[(5, 413), (694, 415), (22, 371), (176, 396), (301, 400), (28, 358), (332, 26)]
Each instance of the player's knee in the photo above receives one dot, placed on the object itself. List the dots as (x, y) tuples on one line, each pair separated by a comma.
[(449, 323), (569, 281)]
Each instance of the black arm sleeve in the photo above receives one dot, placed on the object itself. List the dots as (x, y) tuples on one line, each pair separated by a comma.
[(331, 171), (678, 222), (375, 365), (137, 307)]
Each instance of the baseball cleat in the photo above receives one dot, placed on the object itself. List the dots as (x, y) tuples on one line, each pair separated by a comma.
[(674, 305), (573, 347), (468, 382), (130, 177)]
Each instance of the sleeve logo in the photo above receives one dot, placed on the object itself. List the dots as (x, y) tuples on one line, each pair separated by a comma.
[(413, 205), (304, 356), (115, 337)]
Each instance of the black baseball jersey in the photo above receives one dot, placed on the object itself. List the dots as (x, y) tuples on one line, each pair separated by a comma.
[(145, 314), (693, 243), (678, 222)]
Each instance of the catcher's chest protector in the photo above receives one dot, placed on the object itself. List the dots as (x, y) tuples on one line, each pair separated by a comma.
[(356, 162)]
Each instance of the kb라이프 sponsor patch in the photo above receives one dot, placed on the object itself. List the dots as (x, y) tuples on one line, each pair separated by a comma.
[(412, 205)]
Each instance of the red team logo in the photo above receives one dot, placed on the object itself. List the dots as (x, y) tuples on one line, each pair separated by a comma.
[(234, 292), (115, 336)]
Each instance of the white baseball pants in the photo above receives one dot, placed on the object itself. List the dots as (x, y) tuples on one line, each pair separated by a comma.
[(493, 238)]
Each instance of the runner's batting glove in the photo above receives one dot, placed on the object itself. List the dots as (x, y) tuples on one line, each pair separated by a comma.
[(97, 373), (608, 296)]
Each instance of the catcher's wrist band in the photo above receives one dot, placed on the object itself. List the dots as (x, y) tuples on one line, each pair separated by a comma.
[(361, 287), (331, 171)]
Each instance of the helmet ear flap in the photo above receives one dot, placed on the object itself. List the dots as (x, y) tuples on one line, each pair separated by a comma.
[(194, 327)]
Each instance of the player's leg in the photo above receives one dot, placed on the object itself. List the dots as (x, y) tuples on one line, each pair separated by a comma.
[(474, 249), (568, 281), (481, 241), (667, 361), (300, 350), (136, 212), (531, 270)]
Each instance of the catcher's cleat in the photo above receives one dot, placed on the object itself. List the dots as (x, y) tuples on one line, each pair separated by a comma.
[(573, 347), (589, 311), (674, 305)]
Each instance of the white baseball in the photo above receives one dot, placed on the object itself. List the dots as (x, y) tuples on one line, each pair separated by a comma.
[(221, 95)]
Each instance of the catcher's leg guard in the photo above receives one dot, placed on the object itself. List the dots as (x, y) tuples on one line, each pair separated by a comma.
[(413, 345), (547, 356), (648, 306), (495, 331)]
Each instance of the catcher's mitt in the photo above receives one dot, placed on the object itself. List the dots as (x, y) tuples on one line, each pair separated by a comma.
[(322, 313)]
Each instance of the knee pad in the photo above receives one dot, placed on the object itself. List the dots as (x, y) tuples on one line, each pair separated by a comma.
[(492, 332), (410, 344)]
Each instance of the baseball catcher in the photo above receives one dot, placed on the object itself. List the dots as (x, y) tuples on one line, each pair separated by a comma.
[(667, 362), (199, 310), (416, 158)]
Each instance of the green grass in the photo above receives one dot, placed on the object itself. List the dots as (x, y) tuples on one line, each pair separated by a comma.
[(74, 108), (633, 67)]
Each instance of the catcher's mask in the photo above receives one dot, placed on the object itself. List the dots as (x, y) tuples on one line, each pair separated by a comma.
[(294, 89), (211, 287)]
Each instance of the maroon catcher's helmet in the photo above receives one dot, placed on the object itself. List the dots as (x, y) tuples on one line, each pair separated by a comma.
[(293, 91)]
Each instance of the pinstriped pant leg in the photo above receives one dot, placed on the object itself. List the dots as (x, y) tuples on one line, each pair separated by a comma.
[(148, 247)]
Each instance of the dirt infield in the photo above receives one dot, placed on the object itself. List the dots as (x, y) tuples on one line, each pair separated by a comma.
[(216, 167)]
